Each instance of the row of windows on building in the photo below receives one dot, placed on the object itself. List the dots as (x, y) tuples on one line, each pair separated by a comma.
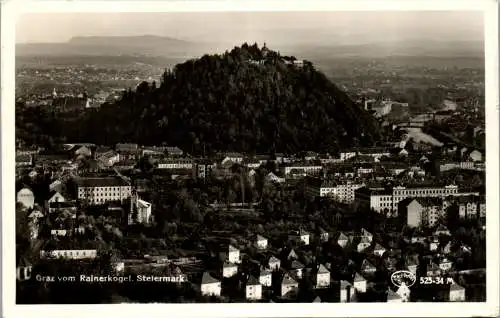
[(426, 191), (100, 189)]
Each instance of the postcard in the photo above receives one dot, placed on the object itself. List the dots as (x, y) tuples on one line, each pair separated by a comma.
[(250, 158)]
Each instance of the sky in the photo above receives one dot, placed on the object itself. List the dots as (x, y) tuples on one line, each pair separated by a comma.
[(354, 27)]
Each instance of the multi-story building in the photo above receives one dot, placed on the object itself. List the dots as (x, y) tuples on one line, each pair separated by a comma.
[(301, 169), (342, 191), (471, 207), (374, 152), (423, 212), (387, 200), (204, 167), (102, 190), (171, 163)]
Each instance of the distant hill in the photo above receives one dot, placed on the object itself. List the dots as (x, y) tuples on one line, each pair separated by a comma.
[(226, 102), (151, 45), (147, 45), (125, 40)]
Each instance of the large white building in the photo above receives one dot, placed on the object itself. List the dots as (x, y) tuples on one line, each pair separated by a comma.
[(387, 200), (102, 190), (342, 191), (301, 169), (69, 254), (170, 163)]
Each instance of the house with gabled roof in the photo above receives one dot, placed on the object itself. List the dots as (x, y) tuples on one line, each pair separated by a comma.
[(229, 269), (210, 286), (292, 255), (297, 268), (434, 244), (271, 177), (83, 151), (446, 249), (274, 263), (379, 250), (301, 236), (363, 244), (253, 289), (404, 292), (359, 283), (346, 291), (367, 267), (456, 293), (230, 254), (289, 286), (323, 234), (35, 216), (393, 297), (265, 277), (231, 157), (261, 242), (367, 235), (445, 264), (342, 240), (442, 230), (322, 277)]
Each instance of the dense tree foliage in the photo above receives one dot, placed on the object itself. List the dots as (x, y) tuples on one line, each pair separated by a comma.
[(220, 102)]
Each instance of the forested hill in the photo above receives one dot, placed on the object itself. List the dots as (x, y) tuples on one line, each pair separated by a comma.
[(249, 100)]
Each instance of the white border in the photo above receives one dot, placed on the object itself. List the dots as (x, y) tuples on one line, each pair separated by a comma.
[(490, 308)]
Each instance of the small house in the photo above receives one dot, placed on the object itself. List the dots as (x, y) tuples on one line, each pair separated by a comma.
[(265, 277), (322, 277), (253, 290), (292, 255), (434, 244), (363, 244), (230, 254), (210, 286), (457, 292), (442, 230), (35, 216), (323, 235), (367, 235), (301, 236), (445, 264), (393, 297), (346, 291), (289, 287), (261, 242), (379, 250), (297, 268), (359, 283), (274, 263), (229, 269), (342, 240), (403, 292), (367, 267)]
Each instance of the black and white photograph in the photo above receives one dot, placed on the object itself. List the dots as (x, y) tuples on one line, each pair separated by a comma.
[(251, 156)]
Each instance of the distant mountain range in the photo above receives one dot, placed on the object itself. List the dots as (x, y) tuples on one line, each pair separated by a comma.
[(150, 45)]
